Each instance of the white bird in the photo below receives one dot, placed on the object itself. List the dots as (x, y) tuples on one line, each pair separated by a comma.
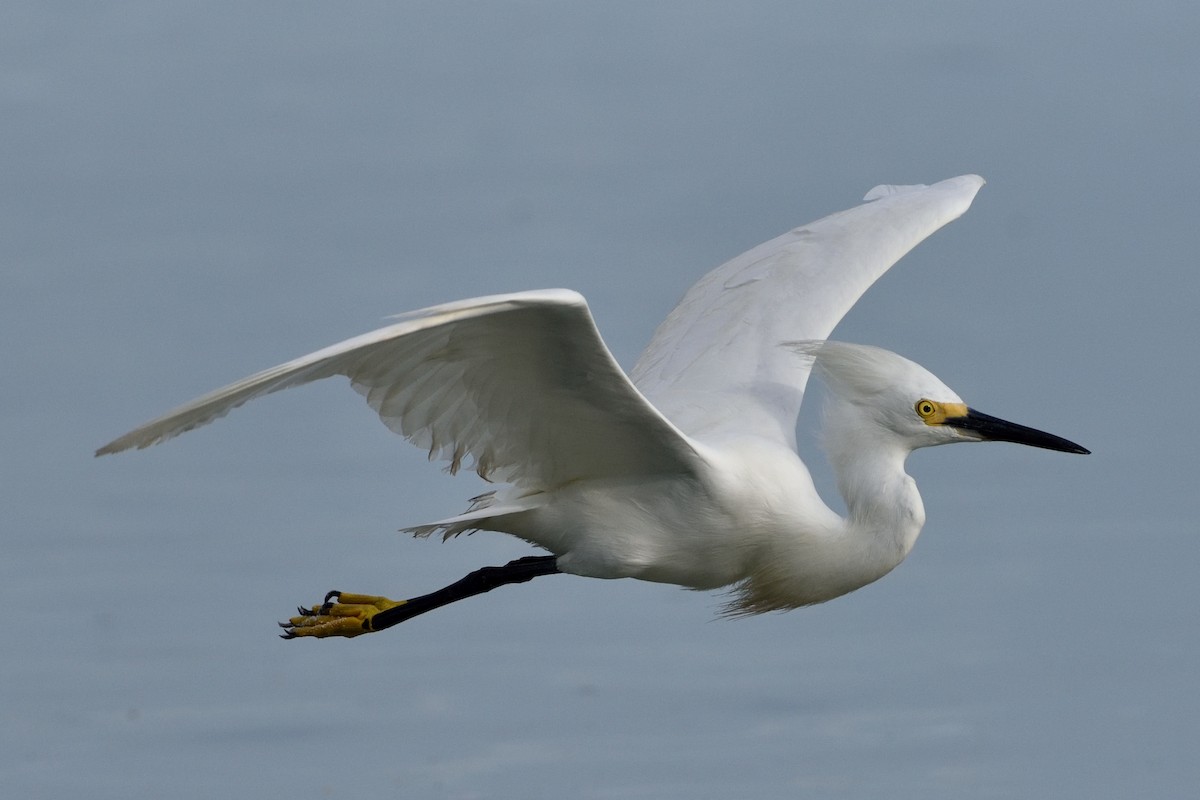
[(684, 471)]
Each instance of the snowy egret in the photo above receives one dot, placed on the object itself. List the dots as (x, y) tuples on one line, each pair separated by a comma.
[(684, 471)]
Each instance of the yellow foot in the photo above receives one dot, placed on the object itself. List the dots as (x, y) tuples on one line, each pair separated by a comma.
[(342, 614)]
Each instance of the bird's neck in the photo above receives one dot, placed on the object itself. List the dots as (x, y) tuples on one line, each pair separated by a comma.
[(832, 556), (884, 512)]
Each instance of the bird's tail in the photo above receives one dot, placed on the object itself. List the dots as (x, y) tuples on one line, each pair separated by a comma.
[(480, 515)]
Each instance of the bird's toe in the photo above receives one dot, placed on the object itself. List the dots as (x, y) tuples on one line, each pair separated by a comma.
[(340, 614)]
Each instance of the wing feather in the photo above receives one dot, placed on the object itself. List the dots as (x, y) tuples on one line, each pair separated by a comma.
[(521, 386), (715, 364)]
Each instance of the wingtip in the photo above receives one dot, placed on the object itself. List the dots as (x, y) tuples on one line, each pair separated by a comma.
[(130, 441), (970, 179), (123, 443), (107, 450), (889, 189)]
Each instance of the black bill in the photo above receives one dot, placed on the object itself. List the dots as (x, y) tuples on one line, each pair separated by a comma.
[(995, 429)]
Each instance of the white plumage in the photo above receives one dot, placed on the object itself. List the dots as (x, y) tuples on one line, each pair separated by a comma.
[(685, 471)]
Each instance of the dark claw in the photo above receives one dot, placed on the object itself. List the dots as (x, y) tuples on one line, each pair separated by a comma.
[(287, 635), (305, 612), (335, 594)]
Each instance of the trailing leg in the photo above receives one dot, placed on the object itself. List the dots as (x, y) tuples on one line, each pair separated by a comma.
[(346, 614)]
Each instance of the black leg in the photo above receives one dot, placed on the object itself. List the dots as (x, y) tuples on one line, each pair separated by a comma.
[(478, 582), (345, 614)]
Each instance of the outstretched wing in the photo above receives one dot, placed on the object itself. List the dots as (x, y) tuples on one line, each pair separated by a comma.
[(715, 364), (519, 386)]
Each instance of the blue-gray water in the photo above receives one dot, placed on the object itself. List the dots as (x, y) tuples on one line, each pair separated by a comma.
[(193, 192)]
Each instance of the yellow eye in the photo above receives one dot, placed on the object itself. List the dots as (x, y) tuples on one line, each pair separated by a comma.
[(925, 409)]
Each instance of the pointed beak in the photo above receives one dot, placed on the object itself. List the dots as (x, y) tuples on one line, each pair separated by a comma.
[(994, 429)]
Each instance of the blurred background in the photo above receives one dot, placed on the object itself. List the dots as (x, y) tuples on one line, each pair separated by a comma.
[(194, 191)]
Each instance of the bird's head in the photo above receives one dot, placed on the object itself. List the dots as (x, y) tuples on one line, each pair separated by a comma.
[(897, 397)]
